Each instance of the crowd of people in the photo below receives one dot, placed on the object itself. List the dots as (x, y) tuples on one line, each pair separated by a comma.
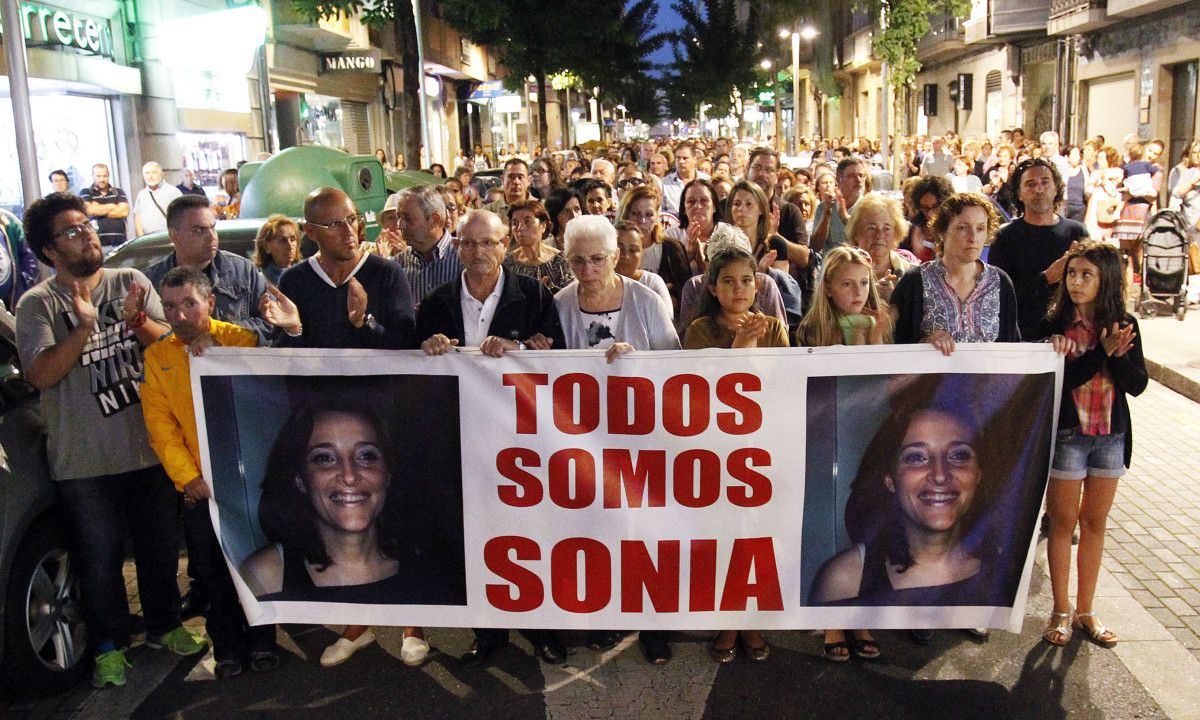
[(643, 247)]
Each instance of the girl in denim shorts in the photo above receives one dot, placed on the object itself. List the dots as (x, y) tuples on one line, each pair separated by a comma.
[(1088, 323)]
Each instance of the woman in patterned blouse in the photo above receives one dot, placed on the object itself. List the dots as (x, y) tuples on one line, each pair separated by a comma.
[(530, 225), (957, 297)]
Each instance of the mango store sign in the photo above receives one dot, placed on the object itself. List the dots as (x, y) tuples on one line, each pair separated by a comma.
[(353, 61), (46, 25)]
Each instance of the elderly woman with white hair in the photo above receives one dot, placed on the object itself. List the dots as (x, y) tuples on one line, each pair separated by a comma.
[(724, 237), (602, 309)]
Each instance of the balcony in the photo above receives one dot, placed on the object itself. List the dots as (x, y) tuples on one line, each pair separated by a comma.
[(946, 39), (992, 20), (1133, 8), (1069, 17), (856, 50)]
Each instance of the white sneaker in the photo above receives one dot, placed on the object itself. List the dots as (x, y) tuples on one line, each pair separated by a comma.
[(340, 651), (413, 651)]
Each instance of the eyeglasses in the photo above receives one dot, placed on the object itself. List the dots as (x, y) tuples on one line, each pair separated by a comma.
[(630, 182), (594, 260), (77, 232), (350, 223), (478, 244)]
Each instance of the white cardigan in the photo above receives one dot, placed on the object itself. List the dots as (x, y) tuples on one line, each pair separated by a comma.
[(644, 322)]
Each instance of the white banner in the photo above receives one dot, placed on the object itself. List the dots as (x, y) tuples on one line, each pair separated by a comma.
[(886, 487)]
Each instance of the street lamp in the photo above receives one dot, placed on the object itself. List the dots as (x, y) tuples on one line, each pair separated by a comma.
[(807, 33)]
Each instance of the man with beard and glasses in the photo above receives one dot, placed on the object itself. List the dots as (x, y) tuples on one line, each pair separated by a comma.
[(80, 336)]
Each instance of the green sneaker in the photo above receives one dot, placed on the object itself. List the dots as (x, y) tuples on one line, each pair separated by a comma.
[(180, 641), (110, 669)]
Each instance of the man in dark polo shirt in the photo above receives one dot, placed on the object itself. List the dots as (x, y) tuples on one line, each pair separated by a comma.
[(107, 206)]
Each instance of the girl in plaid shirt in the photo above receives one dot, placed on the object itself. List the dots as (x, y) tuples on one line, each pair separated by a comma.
[(1088, 323)]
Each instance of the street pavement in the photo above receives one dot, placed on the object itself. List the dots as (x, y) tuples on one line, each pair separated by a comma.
[(1149, 592)]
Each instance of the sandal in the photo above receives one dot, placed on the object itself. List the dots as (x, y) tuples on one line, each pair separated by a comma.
[(1058, 630), (1098, 634), (829, 650), (865, 648)]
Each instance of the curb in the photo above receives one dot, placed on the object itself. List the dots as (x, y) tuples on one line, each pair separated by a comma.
[(1173, 379)]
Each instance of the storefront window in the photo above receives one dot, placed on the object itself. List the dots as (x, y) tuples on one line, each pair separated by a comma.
[(72, 133), (210, 154), (321, 120)]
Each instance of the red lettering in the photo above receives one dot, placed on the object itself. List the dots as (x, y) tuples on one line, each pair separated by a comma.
[(526, 398), (697, 489), (702, 580), (619, 389), (757, 490), (560, 478), (696, 390), (751, 413), (757, 556), (527, 490), (564, 575), (565, 405), (648, 478), (497, 554), (638, 571)]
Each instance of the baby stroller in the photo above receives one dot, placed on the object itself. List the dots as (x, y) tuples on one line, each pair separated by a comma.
[(1164, 263)]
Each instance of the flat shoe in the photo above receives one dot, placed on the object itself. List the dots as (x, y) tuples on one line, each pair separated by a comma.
[(828, 651), (865, 649), (341, 650), (757, 654), (263, 660), (413, 651), (722, 655)]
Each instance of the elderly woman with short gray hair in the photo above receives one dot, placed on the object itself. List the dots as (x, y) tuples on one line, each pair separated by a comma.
[(601, 309)]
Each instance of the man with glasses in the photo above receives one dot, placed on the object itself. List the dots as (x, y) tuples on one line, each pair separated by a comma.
[(346, 297), (429, 261), (80, 336), (237, 284), (515, 184), (685, 172), (496, 311)]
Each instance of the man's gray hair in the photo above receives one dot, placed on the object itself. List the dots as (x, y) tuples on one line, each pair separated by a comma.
[(428, 198), (590, 227)]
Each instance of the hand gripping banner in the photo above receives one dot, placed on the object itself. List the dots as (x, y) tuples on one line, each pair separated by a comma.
[(790, 488)]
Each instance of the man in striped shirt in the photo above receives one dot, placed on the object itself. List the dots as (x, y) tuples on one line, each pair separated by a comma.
[(430, 260)]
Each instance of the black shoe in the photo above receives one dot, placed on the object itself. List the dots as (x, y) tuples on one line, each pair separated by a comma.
[(228, 668), (263, 660), (192, 604), (656, 648), (605, 639), (921, 637), (551, 650), (481, 650)]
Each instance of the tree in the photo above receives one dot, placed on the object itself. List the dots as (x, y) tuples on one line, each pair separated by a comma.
[(618, 59), (715, 53), (904, 23)]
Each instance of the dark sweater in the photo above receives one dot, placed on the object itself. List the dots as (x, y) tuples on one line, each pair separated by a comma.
[(323, 308), (1024, 251), (909, 300), (1128, 375), (526, 308)]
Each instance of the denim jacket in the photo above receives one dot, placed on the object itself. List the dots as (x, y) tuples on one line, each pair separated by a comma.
[(237, 285)]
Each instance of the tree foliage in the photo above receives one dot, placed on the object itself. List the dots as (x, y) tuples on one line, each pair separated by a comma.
[(714, 52), (617, 60), (904, 23)]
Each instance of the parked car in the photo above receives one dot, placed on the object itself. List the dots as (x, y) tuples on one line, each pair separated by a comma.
[(46, 646)]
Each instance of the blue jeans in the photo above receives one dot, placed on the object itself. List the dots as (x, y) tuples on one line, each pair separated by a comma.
[(100, 512)]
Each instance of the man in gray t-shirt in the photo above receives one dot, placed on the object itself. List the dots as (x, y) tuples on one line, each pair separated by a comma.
[(80, 336)]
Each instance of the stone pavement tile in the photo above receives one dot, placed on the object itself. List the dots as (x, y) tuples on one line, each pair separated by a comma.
[(1146, 598), (1166, 617), (1168, 671), (1129, 620), (1179, 606), (1186, 637), (1191, 597)]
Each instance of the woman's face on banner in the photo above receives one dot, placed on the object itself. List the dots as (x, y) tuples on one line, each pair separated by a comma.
[(344, 472), (937, 473)]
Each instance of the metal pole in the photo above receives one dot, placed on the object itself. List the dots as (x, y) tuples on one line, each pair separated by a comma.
[(18, 87), (885, 77), (425, 137), (264, 97), (797, 98)]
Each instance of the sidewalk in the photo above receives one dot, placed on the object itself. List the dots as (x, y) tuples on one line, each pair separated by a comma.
[(1172, 350)]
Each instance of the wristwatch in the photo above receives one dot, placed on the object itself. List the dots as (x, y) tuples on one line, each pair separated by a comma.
[(521, 345), (370, 322)]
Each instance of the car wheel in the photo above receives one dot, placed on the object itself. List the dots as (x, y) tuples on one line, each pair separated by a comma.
[(46, 643)]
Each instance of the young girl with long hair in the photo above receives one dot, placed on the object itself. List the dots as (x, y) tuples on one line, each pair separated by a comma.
[(1087, 321), (728, 318), (846, 310)]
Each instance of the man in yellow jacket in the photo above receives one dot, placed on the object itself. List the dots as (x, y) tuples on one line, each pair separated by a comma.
[(188, 303)]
